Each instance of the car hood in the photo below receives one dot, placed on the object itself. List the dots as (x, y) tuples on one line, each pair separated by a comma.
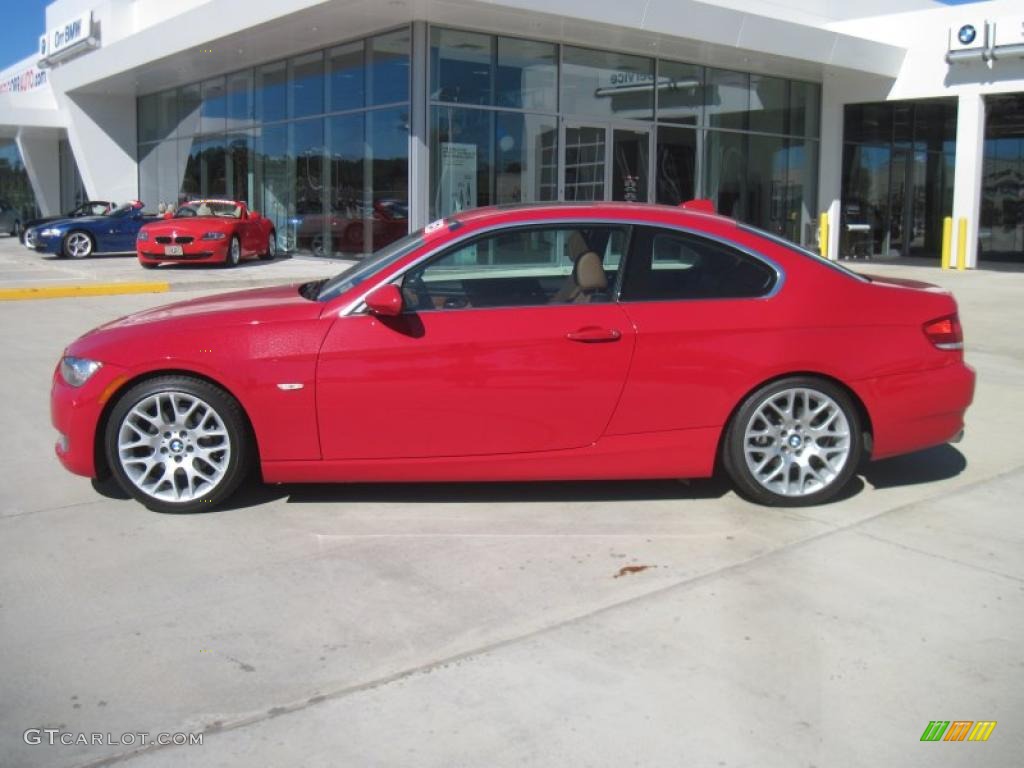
[(189, 225), (172, 324)]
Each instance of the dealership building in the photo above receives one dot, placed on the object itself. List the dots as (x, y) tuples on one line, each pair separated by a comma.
[(350, 122)]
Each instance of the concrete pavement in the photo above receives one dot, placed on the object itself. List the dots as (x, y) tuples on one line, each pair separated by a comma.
[(493, 624), (21, 268)]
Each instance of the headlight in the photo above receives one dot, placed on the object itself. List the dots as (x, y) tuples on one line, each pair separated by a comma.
[(143, 235), (77, 370), (213, 236), (50, 232)]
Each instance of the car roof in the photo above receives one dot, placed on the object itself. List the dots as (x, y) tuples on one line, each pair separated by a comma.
[(639, 211)]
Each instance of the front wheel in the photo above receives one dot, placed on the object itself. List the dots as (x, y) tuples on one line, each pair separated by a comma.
[(234, 253), (794, 442), (77, 245), (178, 444)]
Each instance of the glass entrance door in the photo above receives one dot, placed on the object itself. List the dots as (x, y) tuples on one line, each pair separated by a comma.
[(606, 162)]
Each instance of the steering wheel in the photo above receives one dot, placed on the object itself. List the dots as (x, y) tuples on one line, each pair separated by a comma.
[(414, 288)]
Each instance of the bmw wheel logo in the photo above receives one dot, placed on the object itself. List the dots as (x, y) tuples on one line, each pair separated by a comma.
[(967, 34)]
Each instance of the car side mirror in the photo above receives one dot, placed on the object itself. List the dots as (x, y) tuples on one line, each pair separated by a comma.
[(385, 301)]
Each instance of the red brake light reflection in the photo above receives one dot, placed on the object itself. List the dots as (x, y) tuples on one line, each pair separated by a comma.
[(945, 332)]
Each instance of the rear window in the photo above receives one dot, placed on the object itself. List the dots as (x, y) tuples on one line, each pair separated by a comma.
[(804, 252)]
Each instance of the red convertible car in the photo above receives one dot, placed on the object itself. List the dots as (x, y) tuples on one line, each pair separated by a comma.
[(533, 343), (207, 231)]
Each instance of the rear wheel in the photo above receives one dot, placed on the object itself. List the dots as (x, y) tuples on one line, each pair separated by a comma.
[(794, 442), (271, 251), (178, 444), (77, 245)]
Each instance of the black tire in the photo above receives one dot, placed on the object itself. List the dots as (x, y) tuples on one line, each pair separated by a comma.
[(175, 454), (68, 246), (794, 446), (234, 256), (18, 232), (271, 252)]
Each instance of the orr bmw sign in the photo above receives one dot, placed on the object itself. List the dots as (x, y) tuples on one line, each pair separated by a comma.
[(68, 39), (986, 40)]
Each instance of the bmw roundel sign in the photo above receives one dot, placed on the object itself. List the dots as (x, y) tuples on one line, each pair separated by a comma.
[(966, 34)]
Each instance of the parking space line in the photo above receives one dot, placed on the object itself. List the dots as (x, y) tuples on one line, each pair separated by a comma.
[(70, 291)]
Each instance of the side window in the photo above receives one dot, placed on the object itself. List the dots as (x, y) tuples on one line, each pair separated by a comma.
[(666, 265), (521, 266)]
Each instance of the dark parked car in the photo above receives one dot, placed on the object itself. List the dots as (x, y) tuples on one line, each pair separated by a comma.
[(88, 208), (91, 235)]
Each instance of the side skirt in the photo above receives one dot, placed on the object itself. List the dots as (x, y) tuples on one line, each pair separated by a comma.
[(680, 453)]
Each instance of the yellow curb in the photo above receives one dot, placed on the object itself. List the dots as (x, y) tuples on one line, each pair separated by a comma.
[(85, 289)]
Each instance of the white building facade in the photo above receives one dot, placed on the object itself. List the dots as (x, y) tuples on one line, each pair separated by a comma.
[(350, 122)]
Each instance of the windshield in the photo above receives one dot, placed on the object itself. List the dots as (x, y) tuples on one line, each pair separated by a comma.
[(220, 208), (361, 270), (125, 210)]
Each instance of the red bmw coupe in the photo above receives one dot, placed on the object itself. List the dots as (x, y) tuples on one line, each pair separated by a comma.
[(207, 231), (532, 343)]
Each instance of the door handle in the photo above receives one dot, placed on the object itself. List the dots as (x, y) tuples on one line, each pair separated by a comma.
[(593, 334)]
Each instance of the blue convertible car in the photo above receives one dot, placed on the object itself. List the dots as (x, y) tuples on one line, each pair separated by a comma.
[(88, 235)]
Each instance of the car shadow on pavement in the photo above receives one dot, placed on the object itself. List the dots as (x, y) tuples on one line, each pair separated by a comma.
[(930, 465)]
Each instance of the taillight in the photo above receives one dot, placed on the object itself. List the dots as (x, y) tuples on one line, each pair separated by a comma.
[(945, 332)]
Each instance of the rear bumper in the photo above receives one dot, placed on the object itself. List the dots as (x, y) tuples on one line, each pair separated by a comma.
[(918, 410)]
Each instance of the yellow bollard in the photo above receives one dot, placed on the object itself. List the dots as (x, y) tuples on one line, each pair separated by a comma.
[(823, 234), (961, 245), (947, 240)]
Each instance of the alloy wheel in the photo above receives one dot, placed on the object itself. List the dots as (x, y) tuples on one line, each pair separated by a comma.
[(797, 442), (78, 245), (174, 446)]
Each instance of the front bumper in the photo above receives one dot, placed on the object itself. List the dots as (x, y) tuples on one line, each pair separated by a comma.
[(42, 244), (197, 252), (913, 411), (75, 413)]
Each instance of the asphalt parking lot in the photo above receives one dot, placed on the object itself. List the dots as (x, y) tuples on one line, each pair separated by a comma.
[(607, 624)]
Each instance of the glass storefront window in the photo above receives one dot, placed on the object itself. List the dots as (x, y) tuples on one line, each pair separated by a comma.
[(346, 75), (213, 167), (274, 182), (271, 92), (526, 148), (804, 109), (461, 66), (214, 107), (801, 195), (388, 186), (676, 164), (239, 99), (680, 92), (387, 61), (769, 104), (346, 200), (306, 153), (239, 158), (306, 85), (460, 159), (606, 84), (167, 114), (725, 172), (189, 154), (148, 120), (727, 99), (864, 221), (527, 75), (190, 104)]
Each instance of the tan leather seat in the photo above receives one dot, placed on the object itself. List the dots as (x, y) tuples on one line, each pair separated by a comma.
[(587, 276), (203, 210)]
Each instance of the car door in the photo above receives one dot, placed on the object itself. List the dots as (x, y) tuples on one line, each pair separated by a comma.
[(119, 232), (490, 356), (704, 318)]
